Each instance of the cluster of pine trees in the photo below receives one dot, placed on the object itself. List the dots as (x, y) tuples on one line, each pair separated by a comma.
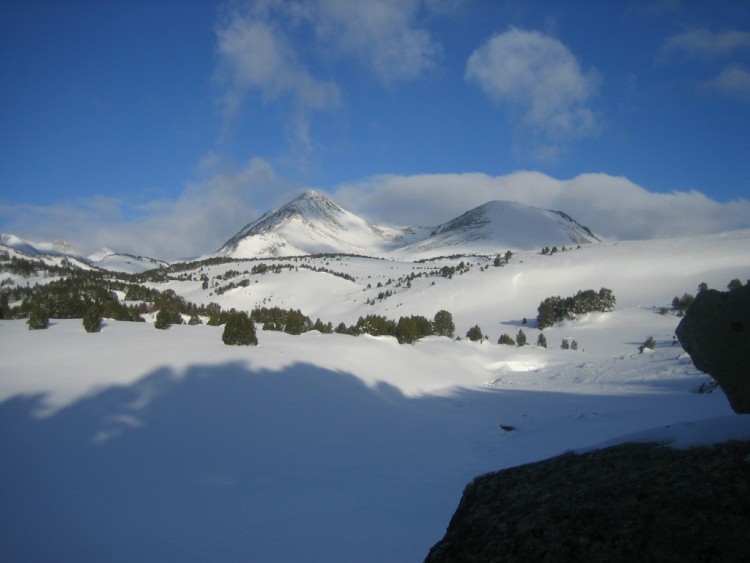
[(554, 309), (406, 330)]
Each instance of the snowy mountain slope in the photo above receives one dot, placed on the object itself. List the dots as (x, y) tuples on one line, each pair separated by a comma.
[(310, 224), (50, 253), (640, 273), (56, 248), (313, 224), (105, 259), (108, 259), (501, 225)]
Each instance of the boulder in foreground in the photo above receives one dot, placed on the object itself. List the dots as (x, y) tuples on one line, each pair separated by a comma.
[(632, 502)]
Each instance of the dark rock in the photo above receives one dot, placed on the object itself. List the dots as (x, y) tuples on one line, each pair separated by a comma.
[(716, 333), (633, 502)]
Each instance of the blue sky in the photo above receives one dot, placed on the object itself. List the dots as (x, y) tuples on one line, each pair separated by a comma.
[(162, 127)]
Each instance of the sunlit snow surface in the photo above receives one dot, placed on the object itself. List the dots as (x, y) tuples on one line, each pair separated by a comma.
[(141, 445)]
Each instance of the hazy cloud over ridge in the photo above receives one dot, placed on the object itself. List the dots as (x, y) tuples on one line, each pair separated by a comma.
[(210, 211), (611, 206), (204, 216)]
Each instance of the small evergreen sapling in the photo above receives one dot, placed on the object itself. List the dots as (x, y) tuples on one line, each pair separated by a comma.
[(541, 340), (521, 338)]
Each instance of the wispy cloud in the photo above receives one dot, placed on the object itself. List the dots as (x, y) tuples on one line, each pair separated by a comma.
[(255, 56), (260, 52), (709, 48), (539, 80), (382, 34), (612, 206), (702, 44)]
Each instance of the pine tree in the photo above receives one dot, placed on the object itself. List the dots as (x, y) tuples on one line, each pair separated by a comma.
[(541, 340), (475, 333), (195, 320), (406, 331), (565, 345), (92, 319), (239, 330), (506, 339), (521, 338), (162, 319), (442, 324), (38, 318)]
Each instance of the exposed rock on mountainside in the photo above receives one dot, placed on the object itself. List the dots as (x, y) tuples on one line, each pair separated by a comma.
[(633, 502), (312, 224), (716, 333)]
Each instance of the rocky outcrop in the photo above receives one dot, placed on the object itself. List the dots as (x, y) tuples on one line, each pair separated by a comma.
[(716, 333), (633, 502)]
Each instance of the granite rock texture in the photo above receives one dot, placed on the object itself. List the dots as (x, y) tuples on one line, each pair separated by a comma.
[(632, 502), (715, 331)]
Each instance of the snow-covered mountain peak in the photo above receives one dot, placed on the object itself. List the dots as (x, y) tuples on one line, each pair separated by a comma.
[(312, 223), (309, 224), (519, 218), (501, 225)]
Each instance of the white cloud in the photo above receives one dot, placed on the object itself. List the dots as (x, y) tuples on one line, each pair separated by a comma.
[(537, 77), (203, 217), (613, 207), (702, 44)]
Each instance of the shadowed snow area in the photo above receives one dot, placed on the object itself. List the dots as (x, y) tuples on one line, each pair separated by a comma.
[(308, 448)]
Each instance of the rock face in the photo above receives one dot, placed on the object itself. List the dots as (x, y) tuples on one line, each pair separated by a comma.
[(716, 333), (633, 502)]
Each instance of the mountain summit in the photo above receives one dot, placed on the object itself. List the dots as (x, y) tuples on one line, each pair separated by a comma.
[(499, 225), (313, 224)]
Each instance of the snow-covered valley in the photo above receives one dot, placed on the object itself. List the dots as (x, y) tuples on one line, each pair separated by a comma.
[(167, 445)]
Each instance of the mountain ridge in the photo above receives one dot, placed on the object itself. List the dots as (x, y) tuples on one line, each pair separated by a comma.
[(312, 223), (105, 259)]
